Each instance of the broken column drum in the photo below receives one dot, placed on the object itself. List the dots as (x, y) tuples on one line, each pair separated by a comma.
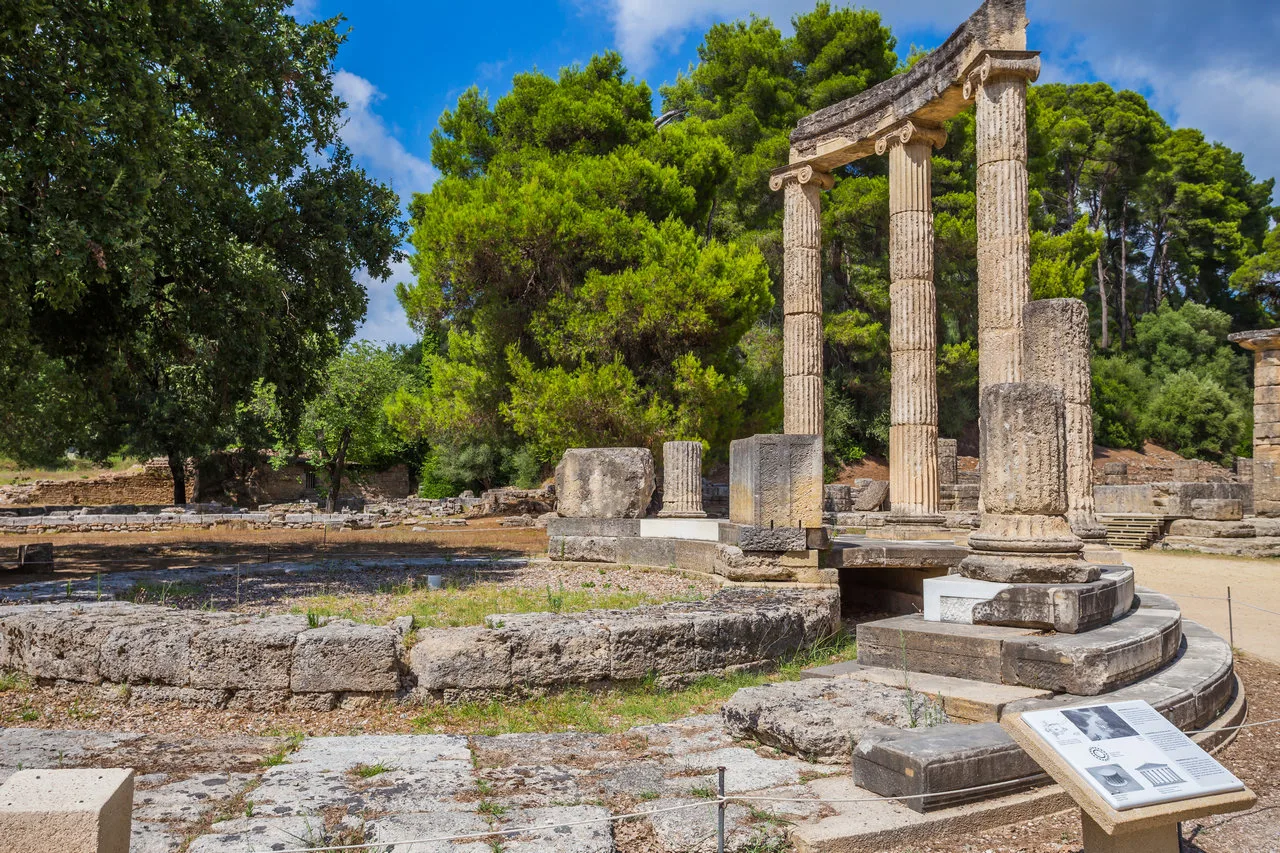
[(1024, 536), (682, 480), (913, 327), (802, 299), (1056, 351), (998, 82)]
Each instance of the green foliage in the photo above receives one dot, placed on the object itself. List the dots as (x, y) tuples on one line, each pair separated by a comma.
[(178, 220), (1182, 386), (563, 258), (1195, 416), (346, 422), (1259, 276)]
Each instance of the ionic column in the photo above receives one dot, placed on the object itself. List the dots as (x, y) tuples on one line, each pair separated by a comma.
[(913, 326), (682, 480), (801, 298), (998, 80), (1024, 536), (1055, 350), (1265, 345)]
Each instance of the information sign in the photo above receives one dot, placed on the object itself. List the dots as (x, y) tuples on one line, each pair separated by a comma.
[(1130, 754)]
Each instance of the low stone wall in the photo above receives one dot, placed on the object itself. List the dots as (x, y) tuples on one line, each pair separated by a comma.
[(158, 654), (148, 483), (79, 521), (732, 630), (1172, 500)]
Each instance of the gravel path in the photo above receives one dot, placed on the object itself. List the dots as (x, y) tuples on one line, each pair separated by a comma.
[(1185, 577)]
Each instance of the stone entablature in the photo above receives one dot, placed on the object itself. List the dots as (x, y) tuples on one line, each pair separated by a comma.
[(932, 91)]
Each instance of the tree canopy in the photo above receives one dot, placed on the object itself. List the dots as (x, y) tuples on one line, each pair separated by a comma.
[(178, 220)]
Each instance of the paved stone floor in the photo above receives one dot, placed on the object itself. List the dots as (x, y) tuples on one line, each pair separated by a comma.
[(229, 795)]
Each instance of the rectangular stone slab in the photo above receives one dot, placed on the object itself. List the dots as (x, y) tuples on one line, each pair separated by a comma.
[(67, 811), (963, 651), (776, 480), (902, 762), (855, 553)]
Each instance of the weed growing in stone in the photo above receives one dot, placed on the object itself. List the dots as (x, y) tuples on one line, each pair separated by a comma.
[(14, 681), (368, 771), (281, 755), (489, 807), (704, 792)]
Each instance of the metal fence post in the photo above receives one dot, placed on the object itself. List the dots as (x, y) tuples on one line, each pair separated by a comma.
[(1231, 622), (720, 813)]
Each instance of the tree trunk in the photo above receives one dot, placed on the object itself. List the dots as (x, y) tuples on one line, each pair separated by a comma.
[(336, 469), (1122, 293), (1102, 301), (178, 470)]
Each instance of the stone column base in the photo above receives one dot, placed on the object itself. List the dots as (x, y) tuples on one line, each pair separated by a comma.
[(1028, 567), (1155, 839)]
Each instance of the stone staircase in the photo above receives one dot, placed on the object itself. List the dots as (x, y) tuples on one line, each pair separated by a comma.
[(1132, 532)]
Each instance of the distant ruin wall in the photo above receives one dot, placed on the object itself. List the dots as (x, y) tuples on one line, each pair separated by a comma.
[(149, 483)]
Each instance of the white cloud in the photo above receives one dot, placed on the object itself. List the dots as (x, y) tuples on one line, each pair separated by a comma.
[(304, 10), (372, 142), (385, 320)]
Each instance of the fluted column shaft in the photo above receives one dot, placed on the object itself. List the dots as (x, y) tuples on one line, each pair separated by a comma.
[(1056, 351), (1265, 344), (999, 83), (802, 299), (913, 326), (682, 480)]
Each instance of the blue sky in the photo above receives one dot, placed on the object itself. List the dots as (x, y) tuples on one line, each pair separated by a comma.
[(1209, 65)]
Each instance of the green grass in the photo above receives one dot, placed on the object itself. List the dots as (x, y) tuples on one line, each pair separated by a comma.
[(368, 771), (621, 707), (457, 606), (149, 592), (281, 755), (14, 681)]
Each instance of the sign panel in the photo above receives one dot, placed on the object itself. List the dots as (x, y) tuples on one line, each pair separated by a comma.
[(1130, 754)]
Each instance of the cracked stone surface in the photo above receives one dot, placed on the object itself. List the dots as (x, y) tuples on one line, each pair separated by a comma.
[(217, 795)]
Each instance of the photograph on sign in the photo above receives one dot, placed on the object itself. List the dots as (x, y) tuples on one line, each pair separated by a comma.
[(1130, 754)]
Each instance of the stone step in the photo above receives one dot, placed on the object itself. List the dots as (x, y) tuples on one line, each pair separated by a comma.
[(961, 698), (1132, 532), (1191, 691), (1084, 664)]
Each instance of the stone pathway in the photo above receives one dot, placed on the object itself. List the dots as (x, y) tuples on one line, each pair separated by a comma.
[(221, 794)]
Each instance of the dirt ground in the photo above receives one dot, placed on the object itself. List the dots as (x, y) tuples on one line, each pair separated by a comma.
[(1196, 580), (79, 555)]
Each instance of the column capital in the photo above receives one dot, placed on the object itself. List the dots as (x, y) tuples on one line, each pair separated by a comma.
[(801, 175), (993, 65), (908, 130)]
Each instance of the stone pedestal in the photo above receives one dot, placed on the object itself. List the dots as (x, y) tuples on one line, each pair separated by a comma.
[(948, 462), (67, 811), (604, 482), (802, 298), (1162, 838), (913, 331), (1055, 351), (1265, 344), (997, 79), (682, 480), (1024, 536), (776, 481)]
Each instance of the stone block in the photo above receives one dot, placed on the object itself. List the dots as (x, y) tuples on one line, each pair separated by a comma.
[(1097, 661), (961, 651), (345, 656), (643, 642), (604, 482), (872, 497), (555, 651), (817, 718), (558, 526), (751, 538), (461, 659), (154, 652), (923, 764), (254, 655), (1066, 608), (67, 811), (1217, 509), (837, 498), (36, 557), (737, 565), (642, 551), (583, 549), (1212, 529), (776, 480)]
